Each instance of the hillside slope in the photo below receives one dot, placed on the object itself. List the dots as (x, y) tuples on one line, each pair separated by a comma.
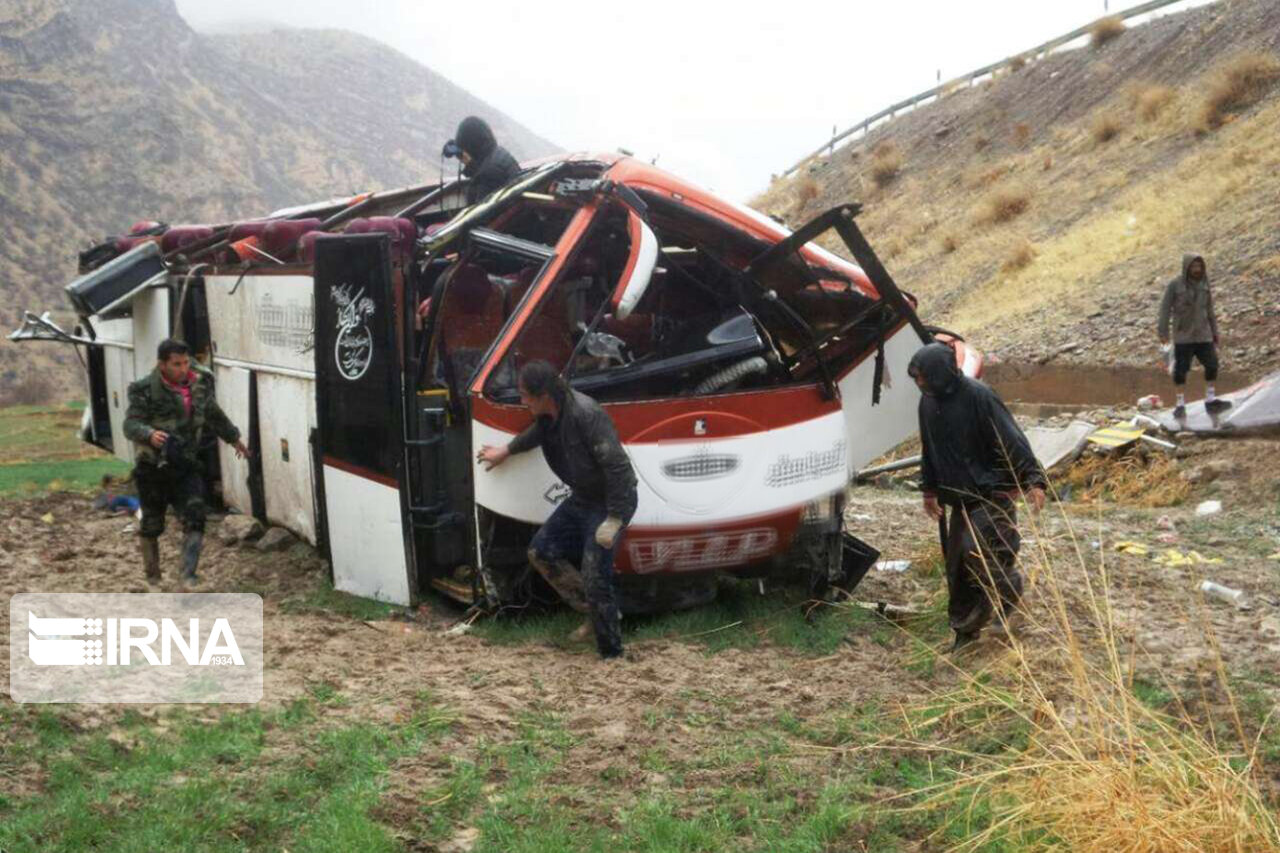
[(1048, 207), (115, 110)]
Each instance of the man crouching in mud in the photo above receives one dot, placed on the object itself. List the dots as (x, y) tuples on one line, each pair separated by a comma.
[(976, 460), (168, 414), (581, 446)]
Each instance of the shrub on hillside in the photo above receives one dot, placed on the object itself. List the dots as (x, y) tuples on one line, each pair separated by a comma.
[(807, 190), (1149, 101), (1241, 82), (886, 163), (1021, 133), (1105, 30), (1105, 128), (1003, 204), (1019, 256)]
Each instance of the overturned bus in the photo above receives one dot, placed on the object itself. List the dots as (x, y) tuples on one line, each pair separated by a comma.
[(367, 345)]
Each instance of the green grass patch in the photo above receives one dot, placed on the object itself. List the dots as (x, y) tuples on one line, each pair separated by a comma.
[(32, 479), (41, 452), (207, 785)]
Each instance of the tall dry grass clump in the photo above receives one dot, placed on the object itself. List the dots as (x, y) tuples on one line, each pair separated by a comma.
[(1150, 101), (886, 163), (1019, 256), (1241, 82), (1095, 769), (1105, 30), (1105, 128), (807, 191), (1003, 204)]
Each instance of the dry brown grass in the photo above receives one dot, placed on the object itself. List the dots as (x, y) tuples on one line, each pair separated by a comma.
[(1021, 133), (949, 243), (886, 163), (1130, 479), (807, 190), (1105, 128), (1150, 101), (1019, 256), (1002, 205), (1047, 163), (1105, 30), (1241, 82), (980, 143), (1099, 769)]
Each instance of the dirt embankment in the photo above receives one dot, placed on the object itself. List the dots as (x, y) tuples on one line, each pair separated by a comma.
[(1041, 213)]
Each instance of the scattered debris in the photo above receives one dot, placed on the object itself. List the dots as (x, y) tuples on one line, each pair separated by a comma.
[(1053, 446), (1149, 402), (1209, 508), (1223, 593), (457, 630), (1172, 557), (1135, 548), (888, 467), (47, 518), (1252, 409), (893, 565), (1117, 435)]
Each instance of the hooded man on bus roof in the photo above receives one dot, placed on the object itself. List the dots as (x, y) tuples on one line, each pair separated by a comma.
[(487, 164)]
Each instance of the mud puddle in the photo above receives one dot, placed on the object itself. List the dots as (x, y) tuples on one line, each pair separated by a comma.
[(1080, 385)]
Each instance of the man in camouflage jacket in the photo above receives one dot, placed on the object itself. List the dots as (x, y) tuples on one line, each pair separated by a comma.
[(169, 412)]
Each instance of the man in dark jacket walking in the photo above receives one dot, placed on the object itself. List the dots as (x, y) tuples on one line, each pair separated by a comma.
[(169, 412), (1188, 306), (582, 448), (976, 460), (487, 164)]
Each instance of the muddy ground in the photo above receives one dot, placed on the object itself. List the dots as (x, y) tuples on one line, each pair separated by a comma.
[(619, 713)]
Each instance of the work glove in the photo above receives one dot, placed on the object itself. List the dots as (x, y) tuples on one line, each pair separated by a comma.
[(607, 532)]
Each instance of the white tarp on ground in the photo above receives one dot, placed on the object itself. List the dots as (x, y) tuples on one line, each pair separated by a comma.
[(1054, 445), (1253, 409)]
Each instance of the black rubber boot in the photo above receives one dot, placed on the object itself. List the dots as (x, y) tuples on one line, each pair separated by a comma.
[(191, 545), (150, 558)]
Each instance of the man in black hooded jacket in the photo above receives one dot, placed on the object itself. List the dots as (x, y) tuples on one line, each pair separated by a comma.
[(487, 164), (976, 460)]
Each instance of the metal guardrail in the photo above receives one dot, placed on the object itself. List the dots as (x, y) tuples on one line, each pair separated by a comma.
[(1033, 54)]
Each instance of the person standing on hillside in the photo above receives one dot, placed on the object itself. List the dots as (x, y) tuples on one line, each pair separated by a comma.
[(1188, 306), (487, 164), (581, 446), (169, 411), (976, 460)]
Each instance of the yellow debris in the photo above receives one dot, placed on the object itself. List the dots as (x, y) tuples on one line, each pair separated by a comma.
[(1135, 548), (47, 518), (1174, 557), (1117, 435)]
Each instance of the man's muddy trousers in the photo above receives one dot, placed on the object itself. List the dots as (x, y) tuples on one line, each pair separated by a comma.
[(567, 538), (162, 486), (982, 553)]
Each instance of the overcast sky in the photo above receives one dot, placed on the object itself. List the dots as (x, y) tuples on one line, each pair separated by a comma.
[(722, 93)]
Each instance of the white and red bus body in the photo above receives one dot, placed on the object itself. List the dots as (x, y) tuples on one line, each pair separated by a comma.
[(748, 378)]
